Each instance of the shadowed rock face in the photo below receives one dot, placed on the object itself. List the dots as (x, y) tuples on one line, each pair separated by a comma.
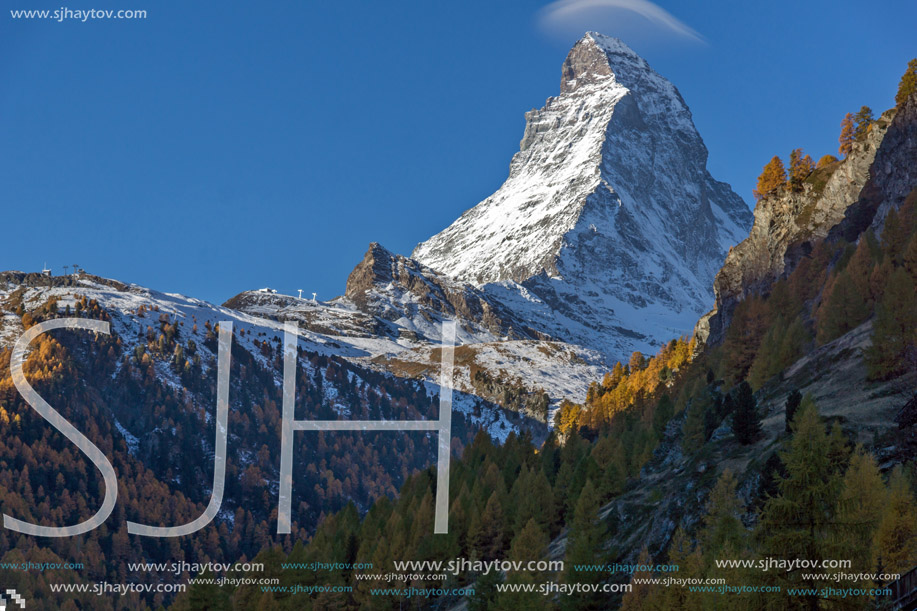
[(892, 176), (609, 229)]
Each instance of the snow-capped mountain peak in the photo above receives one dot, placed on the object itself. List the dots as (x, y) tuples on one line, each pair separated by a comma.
[(608, 217)]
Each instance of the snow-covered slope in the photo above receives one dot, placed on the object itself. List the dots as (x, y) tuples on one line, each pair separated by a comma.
[(609, 230), (335, 329)]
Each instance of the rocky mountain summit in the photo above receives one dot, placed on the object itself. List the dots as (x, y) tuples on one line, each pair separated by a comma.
[(609, 228)]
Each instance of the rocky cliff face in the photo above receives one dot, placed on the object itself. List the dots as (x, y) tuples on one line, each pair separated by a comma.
[(786, 226), (609, 229), (892, 177)]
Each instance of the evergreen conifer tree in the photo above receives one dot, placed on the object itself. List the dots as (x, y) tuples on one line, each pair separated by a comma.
[(528, 545), (894, 336), (896, 535), (746, 423), (792, 405), (799, 522), (584, 547)]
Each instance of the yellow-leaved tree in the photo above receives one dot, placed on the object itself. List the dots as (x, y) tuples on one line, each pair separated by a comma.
[(772, 178), (847, 135), (908, 85)]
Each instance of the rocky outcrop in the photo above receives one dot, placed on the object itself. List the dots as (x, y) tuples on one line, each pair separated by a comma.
[(14, 278), (396, 288), (511, 395), (787, 224)]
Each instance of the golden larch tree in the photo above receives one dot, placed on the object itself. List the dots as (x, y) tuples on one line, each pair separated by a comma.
[(847, 135), (801, 166), (772, 178), (908, 85), (825, 161)]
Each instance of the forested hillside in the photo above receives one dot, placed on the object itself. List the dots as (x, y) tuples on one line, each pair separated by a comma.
[(161, 384)]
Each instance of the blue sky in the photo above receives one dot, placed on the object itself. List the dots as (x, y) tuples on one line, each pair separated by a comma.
[(218, 147)]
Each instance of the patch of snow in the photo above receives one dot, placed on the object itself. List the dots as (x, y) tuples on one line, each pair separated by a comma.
[(133, 443)]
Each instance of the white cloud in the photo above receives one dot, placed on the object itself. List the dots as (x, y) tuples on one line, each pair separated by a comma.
[(625, 19)]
